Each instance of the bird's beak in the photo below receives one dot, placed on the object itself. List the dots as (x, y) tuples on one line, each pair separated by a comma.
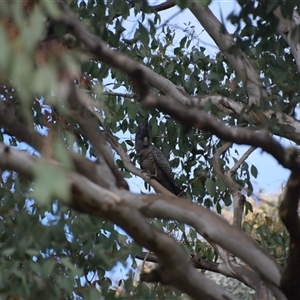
[(145, 141)]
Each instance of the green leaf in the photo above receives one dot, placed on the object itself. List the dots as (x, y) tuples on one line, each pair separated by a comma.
[(211, 187), (130, 143), (132, 110), (51, 8), (8, 251), (5, 50), (143, 34), (47, 267), (67, 263), (254, 171), (62, 154), (45, 80), (119, 27), (220, 184), (227, 199), (182, 42), (32, 252), (51, 183), (34, 30), (248, 207)]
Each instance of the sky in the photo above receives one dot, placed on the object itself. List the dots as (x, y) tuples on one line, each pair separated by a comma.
[(272, 176)]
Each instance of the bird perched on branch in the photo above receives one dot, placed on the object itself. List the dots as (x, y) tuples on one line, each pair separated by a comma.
[(153, 160)]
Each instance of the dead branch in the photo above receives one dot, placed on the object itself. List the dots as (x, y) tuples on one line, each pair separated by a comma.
[(241, 160)]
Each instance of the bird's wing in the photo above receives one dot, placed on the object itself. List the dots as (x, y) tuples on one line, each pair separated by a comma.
[(163, 163)]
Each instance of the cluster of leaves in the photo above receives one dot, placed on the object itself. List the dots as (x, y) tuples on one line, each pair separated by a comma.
[(266, 228), (53, 246)]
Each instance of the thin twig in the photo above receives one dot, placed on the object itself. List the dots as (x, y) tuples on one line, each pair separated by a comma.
[(241, 160)]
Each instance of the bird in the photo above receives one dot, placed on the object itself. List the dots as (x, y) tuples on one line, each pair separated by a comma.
[(153, 160)]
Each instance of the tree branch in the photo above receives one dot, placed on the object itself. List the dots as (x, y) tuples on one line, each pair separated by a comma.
[(172, 258), (239, 111), (199, 119), (142, 76), (290, 32), (130, 167), (23, 132), (13, 126), (230, 266), (288, 212), (239, 198), (241, 160), (243, 274), (83, 117), (163, 6), (234, 188), (237, 59)]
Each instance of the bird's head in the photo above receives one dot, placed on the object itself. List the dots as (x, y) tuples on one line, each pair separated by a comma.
[(142, 136)]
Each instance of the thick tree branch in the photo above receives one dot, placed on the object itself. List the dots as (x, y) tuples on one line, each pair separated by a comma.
[(172, 258), (163, 6), (239, 111), (231, 267), (288, 212), (199, 119), (13, 126), (290, 32), (100, 50), (23, 132), (129, 211), (83, 116)]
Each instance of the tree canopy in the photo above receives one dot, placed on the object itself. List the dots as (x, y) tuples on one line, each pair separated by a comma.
[(76, 80)]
